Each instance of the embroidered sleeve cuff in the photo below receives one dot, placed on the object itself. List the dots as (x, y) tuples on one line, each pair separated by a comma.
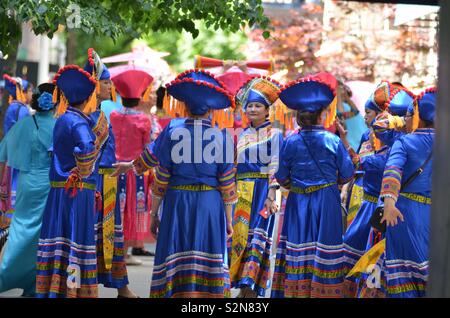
[(391, 182), (139, 166), (85, 163), (161, 181)]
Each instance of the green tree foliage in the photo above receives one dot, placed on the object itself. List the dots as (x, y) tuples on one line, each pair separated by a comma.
[(112, 18)]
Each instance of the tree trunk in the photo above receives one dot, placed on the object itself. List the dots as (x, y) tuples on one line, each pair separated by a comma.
[(71, 46)]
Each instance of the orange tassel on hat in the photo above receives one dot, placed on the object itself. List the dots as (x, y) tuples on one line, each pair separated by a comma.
[(20, 96), (331, 114), (415, 117), (61, 100), (146, 95), (91, 105), (97, 87)]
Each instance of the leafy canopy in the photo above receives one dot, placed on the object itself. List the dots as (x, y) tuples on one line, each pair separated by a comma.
[(132, 17)]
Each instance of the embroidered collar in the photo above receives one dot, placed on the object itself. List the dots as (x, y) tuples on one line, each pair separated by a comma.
[(263, 125), (78, 112), (424, 131), (202, 122), (312, 128)]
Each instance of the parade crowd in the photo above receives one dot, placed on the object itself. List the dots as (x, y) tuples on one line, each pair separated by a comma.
[(81, 184)]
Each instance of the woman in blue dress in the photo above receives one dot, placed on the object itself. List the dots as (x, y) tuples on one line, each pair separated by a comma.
[(406, 255), (67, 262), (258, 149), (20, 92), (112, 271), (309, 261), (395, 102), (26, 148), (376, 104), (196, 177)]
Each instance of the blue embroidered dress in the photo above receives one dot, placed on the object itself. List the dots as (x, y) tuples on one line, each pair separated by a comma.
[(406, 261), (67, 245), (112, 271), (357, 235), (310, 261), (257, 155), (191, 255), (14, 113)]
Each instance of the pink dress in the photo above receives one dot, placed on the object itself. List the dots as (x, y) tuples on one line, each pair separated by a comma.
[(131, 131)]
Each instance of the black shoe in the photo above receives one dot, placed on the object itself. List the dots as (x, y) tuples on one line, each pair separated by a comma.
[(141, 252)]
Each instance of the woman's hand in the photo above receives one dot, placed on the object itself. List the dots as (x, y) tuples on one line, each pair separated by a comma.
[(229, 230), (121, 167), (391, 213), (154, 228), (270, 205)]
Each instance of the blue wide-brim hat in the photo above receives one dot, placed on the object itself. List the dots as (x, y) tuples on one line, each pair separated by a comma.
[(11, 83), (200, 91), (393, 98), (90, 66), (426, 103), (311, 93), (76, 84)]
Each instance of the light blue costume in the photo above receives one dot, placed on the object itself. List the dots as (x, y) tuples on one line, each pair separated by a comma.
[(32, 160)]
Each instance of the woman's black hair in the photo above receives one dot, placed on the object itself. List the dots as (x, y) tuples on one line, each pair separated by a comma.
[(428, 124), (160, 92), (44, 87), (130, 102), (308, 118)]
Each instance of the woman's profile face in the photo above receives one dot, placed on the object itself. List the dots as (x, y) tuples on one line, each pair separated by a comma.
[(105, 89), (369, 116)]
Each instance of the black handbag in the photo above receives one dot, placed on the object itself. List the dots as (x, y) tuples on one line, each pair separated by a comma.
[(3, 237), (377, 215)]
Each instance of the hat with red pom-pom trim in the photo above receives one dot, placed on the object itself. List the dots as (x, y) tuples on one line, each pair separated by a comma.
[(310, 93), (95, 66), (423, 107), (76, 84), (13, 84), (200, 91), (390, 97)]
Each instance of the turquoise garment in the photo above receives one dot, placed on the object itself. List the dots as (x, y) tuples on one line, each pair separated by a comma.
[(355, 126), (26, 148), (107, 106)]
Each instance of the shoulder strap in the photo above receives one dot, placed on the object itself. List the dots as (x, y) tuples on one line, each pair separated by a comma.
[(18, 112), (35, 122), (416, 173), (312, 156)]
